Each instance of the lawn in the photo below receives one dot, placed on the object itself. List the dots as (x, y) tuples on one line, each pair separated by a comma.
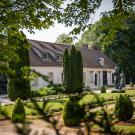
[(58, 104)]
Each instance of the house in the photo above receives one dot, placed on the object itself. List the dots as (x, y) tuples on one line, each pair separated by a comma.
[(46, 58)]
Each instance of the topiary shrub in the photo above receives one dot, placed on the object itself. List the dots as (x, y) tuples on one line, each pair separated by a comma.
[(124, 108), (72, 113), (103, 89), (131, 84), (18, 114)]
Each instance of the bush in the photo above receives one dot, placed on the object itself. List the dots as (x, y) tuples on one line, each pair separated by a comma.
[(124, 108), (131, 84), (18, 114), (18, 89), (103, 89), (72, 113), (43, 92), (118, 91), (58, 88)]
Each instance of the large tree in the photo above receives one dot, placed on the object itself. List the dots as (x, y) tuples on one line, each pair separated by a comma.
[(64, 39), (118, 45), (19, 86)]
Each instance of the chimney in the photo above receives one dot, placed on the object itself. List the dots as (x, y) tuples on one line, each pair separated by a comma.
[(85, 46)]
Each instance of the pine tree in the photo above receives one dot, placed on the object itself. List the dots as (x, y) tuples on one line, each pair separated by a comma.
[(79, 72), (19, 87), (66, 71)]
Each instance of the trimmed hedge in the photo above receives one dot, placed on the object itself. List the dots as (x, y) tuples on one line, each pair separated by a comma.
[(124, 108), (18, 114), (118, 91)]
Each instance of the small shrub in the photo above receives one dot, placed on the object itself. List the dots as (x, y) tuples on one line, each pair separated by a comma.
[(118, 91), (18, 114), (124, 108), (103, 89), (58, 88), (131, 84), (72, 113), (43, 92)]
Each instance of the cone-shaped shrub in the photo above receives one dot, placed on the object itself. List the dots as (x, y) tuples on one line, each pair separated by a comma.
[(103, 89), (124, 108), (18, 114), (72, 113)]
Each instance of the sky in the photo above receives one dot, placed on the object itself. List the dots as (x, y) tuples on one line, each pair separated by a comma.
[(51, 34)]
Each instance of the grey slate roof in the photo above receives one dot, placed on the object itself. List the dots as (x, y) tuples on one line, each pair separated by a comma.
[(90, 56)]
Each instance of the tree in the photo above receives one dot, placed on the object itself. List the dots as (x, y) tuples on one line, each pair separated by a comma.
[(73, 66), (19, 87), (64, 39), (67, 71), (119, 46), (73, 71), (79, 72)]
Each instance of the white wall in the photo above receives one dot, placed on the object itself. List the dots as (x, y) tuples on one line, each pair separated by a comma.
[(57, 79)]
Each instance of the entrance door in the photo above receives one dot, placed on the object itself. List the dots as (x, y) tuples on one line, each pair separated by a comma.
[(95, 79), (104, 77)]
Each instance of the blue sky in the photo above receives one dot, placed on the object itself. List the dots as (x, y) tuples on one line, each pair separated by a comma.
[(51, 34)]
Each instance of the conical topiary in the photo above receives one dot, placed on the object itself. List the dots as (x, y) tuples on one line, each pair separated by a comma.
[(18, 114)]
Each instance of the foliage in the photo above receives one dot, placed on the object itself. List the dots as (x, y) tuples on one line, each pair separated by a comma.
[(131, 84), (103, 89), (18, 114), (73, 71), (20, 86), (116, 41), (43, 92), (79, 82), (66, 72), (58, 88), (64, 39), (124, 108), (72, 113)]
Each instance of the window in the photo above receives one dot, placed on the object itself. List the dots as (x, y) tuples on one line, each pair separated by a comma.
[(44, 56), (50, 75), (62, 77), (91, 77), (84, 77), (58, 57)]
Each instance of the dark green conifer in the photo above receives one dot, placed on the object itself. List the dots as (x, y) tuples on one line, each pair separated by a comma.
[(19, 86), (79, 72), (66, 71)]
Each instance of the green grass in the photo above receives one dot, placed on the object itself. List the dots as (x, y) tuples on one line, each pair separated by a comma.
[(58, 104), (126, 130), (104, 96), (30, 109)]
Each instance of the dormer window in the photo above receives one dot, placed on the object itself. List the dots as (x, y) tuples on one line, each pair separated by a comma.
[(101, 61), (58, 57), (44, 56)]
